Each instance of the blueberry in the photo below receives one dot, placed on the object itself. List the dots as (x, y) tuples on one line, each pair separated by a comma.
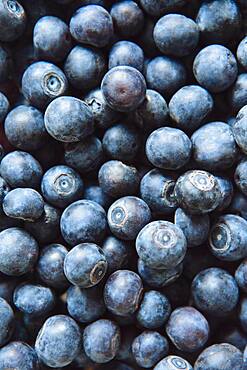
[(101, 340), (51, 39), (85, 305), (18, 251), (215, 68), (156, 190), (189, 106), (157, 278), (24, 204), (33, 299), (13, 20), (218, 356), (239, 129), (83, 221), (92, 25), (121, 142), (242, 52), (198, 191), (42, 82), (19, 356), (127, 216), (84, 156), (241, 275), (153, 112), (159, 7), (214, 147), (4, 104), (126, 53), (215, 292), (117, 253), (233, 335), (184, 320), (154, 310), (237, 94), (94, 192), (4, 190), (128, 18), (25, 129), (227, 191), (7, 323), (148, 348), (76, 122), (85, 265), (173, 362), (165, 75), (85, 67), (195, 227), (118, 179), (175, 34), (168, 148), (61, 185), (58, 341), (5, 72), (7, 222), (219, 23), (161, 245), (226, 241), (45, 229), (123, 292), (124, 88), (103, 115), (21, 169)]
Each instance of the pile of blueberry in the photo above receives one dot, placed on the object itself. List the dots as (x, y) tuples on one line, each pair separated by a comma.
[(123, 184)]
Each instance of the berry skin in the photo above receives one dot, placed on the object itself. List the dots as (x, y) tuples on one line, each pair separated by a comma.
[(184, 319), (123, 88), (226, 241), (50, 266), (4, 103), (51, 39), (128, 18), (198, 192), (19, 356), (237, 95), (101, 341), (7, 324), (176, 35), (215, 68), (42, 82), (239, 128), (173, 363), (76, 122), (118, 179), (85, 265), (123, 292), (189, 106), (161, 245), (58, 341), (92, 25), (159, 7), (218, 356), (242, 52), (127, 216), (117, 253), (85, 305), (168, 148), (154, 310), (126, 53), (13, 20), (241, 276), (148, 348), (215, 292), (61, 185), (33, 299), (25, 129), (85, 67), (21, 170), (83, 221), (18, 252)]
